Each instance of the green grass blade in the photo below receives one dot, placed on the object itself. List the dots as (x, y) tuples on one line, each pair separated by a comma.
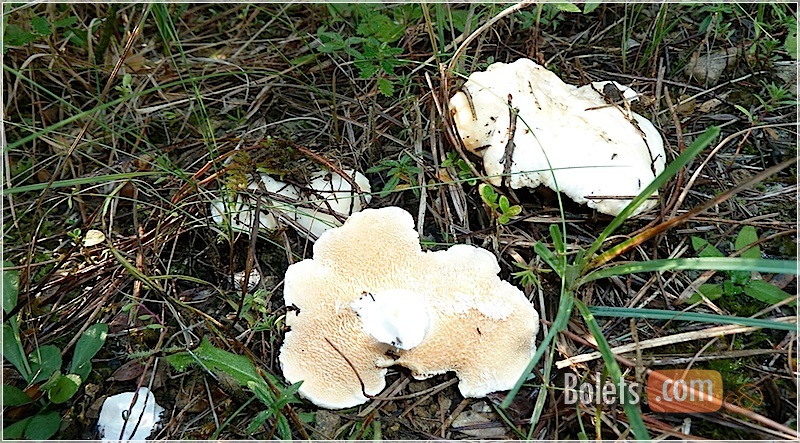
[(78, 181), (631, 410), (700, 263), (659, 314), (548, 257), (702, 141), (564, 312)]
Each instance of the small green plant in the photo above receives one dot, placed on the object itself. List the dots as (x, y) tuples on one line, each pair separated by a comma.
[(374, 51), (241, 369), (499, 205), (737, 282), (36, 27), (461, 167), (584, 266), (778, 96), (400, 173), (41, 370)]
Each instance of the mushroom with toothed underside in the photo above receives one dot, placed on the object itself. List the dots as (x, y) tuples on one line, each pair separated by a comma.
[(371, 298)]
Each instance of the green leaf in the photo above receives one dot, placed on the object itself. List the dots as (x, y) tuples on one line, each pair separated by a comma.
[(386, 87), (41, 26), (763, 291), (705, 249), (69, 21), (730, 288), (258, 421), (15, 431), (64, 389), (180, 361), (16, 36), (43, 425), (10, 287), (566, 7), (791, 40), (87, 347), (390, 185), (711, 291), (488, 195), (589, 7), (12, 351), (13, 396), (746, 237), (504, 204), (44, 362)]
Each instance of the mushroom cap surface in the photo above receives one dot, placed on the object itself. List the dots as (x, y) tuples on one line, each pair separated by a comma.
[(598, 156), (479, 326)]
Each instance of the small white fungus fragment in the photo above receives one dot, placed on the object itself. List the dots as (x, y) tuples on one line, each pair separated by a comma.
[(142, 418), (329, 197), (396, 317)]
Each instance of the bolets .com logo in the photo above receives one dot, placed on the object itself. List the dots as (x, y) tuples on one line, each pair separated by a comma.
[(668, 391)]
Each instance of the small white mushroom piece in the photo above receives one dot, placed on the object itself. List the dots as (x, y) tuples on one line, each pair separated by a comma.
[(328, 198), (397, 317), (142, 417), (531, 128)]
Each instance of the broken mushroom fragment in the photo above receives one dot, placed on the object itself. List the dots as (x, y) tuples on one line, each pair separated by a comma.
[(523, 120), (371, 298), (328, 198)]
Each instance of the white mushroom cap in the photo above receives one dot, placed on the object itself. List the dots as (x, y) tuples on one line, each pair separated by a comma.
[(478, 325), (239, 213), (593, 148), (142, 418), (329, 194)]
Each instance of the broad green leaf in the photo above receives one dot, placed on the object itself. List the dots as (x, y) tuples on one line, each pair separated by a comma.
[(12, 351), (44, 362), (16, 36), (41, 26), (64, 389), (180, 361), (746, 237), (43, 425), (705, 249), (791, 40), (87, 347), (589, 7), (10, 287), (711, 291), (763, 291), (566, 7), (16, 430), (731, 288), (13, 396)]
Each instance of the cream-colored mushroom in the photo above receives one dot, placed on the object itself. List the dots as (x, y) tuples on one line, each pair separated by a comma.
[(328, 198), (478, 326), (523, 120)]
